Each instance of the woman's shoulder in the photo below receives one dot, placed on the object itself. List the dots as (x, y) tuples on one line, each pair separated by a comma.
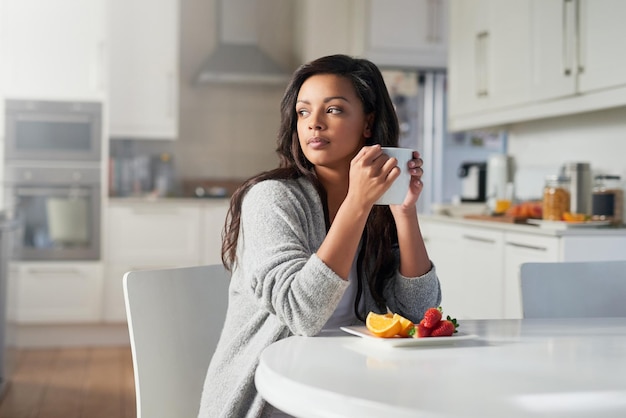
[(299, 189), (271, 201)]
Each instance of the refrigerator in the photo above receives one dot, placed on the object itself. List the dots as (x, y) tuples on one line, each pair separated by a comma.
[(420, 99)]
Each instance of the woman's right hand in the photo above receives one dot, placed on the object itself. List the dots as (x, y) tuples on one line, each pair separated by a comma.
[(371, 173)]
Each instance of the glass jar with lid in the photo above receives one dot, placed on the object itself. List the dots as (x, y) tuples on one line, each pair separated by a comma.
[(608, 199), (556, 197)]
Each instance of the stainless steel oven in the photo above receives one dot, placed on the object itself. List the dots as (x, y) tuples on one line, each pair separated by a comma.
[(58, 208), (53, 177), (47, 130)]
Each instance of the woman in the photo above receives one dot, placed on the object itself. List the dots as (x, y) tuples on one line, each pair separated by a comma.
[(307, 247)]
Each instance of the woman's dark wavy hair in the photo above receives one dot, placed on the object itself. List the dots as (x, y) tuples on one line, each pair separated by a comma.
[(377, 257)]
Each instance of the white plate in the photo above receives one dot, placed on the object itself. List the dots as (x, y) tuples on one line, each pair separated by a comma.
[(561, 225), (362, 331)]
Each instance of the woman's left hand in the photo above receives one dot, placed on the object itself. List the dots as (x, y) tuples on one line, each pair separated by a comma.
[(416, 185)]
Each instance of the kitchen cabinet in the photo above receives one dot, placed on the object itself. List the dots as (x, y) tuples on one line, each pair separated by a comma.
[(443, 244), (489, 63), (54, 49), (407, 33), (213, 217), (520, 249), (154, 232), (535, 59), (396, 33), (601, 58), (337, 14), (55, 292), (470, 270), (144, 71), (151, 235), (524, 248), (576, 47), (147, 235), (478, 263)]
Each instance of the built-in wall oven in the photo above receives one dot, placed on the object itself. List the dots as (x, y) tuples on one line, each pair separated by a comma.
[(53, 175), (53, 131), (59, 211)]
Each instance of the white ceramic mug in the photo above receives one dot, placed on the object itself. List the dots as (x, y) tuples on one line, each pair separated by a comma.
[(396, 194)]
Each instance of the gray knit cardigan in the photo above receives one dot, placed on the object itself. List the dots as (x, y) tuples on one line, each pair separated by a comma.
[(279, 287)]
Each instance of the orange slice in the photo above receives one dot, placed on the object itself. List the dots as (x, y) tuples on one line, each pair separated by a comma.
[(574, 217), (382, 326), (406, 325)]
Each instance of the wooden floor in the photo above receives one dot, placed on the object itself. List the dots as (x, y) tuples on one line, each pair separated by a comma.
[(71, 383)]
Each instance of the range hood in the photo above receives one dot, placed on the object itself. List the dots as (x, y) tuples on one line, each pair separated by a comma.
[(237, 58)]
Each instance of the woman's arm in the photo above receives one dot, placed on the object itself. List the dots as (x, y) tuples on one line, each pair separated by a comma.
[(282, 226), (414, 259), (371, 173)]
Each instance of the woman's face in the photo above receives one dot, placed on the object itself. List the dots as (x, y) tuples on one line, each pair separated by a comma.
[(332, 125)]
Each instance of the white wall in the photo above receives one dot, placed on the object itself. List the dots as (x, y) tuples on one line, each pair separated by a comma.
[(597, 137)]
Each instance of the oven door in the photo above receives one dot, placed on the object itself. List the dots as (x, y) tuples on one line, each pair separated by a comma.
[(48, 131), (59, 221)]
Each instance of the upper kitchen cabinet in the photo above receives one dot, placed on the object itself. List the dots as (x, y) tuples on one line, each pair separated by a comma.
[(54, 49), (550, 58), (314, 40), (143, 93), (576, 47), (411, 33), (489, 62), (396, 33)]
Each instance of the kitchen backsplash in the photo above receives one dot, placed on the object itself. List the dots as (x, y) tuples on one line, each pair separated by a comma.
[(226, 131), (543, 146), (134, 166)]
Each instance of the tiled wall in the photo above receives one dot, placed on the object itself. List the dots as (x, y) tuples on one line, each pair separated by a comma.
[(542, 146), (228, 131), (597, 137)]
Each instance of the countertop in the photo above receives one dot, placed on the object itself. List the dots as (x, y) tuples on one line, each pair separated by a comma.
[(143, 200), (524, 228), (453, 220)]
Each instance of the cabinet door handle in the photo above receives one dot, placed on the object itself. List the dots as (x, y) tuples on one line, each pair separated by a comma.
[(479, 239), (54, 271), (171, 99), (156, 211), (569, 26), (582, 31), (526, 246), (482, 64), (434, 19)]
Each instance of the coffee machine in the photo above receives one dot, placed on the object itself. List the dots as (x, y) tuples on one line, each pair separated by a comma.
[(473, 181)]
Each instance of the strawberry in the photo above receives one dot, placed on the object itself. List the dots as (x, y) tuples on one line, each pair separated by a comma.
[(422, 330), (445, 328), (432, 316)]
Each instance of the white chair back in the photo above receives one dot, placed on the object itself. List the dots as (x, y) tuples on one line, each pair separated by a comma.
[(574, 289), (175, 317)]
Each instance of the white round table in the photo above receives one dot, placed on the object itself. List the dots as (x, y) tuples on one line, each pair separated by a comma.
[(515, 368)]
